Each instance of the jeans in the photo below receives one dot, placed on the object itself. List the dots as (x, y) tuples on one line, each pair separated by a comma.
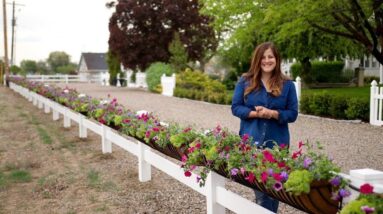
[(266, 201)]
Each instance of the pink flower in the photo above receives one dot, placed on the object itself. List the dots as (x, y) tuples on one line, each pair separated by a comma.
[(268, 156), (198, 145), (366, 188), (184, 158), (242, 170), (245, 137), (264, 177), (277, 176), (300, 144), (277, 186), (368, 210), (156, 129), (187, 173), (250, 178), (297, 154)]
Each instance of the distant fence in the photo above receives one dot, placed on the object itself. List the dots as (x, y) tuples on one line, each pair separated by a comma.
[(217, 196), (376, 104), (54, 78)]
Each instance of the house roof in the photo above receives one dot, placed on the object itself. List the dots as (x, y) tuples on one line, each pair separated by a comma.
[(95, 61)]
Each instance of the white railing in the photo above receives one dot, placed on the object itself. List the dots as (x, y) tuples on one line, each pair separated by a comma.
[(217, 196), (376, 104), (168, 84), (54, 78)]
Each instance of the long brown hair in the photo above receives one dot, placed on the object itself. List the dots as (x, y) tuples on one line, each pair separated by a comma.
[(254, 74)]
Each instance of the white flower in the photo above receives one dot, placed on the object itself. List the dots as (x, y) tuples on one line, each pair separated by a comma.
[(141, 112), (81, 95), (66, 91), (104, 102)]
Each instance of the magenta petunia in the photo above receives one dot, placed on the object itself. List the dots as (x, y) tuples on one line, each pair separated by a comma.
[(366, 188), (264, 177), (368, 210), (250, 177), (187, 173), (277, 186)]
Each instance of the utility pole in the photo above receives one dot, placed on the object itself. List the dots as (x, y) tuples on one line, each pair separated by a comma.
[(13, 43), (6, 66)]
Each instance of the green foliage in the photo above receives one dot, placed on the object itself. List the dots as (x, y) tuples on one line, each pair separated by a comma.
[(28, 66), (67, 69), (198, 86), (154, 73), (93, 178), (58, 59), (335, 106), (358, 109), (114, 67), (230, 80), (44, 136), (354, 207), (299, 182), (321, 72), (178, 55), (16, 70), (179, 139)]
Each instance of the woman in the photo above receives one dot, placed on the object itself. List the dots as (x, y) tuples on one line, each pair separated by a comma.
[(266, 101)]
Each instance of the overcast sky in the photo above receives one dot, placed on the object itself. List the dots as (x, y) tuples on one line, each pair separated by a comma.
[(43, 26)]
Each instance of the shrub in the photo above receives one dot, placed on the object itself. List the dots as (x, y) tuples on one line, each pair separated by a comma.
[(339, 107), (368, 80), (358, 109), (322, 72), (154, 73), (197, 85)]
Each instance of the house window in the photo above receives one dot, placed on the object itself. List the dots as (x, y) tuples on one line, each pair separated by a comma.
[(366, 62), (374, 64)]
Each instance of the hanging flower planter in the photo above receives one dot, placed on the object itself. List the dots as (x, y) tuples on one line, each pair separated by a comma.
[(318, 201)]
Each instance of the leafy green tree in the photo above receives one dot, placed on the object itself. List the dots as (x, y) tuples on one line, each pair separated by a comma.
[(67, 69), (42, 67), (16, 70), (28, 66), (114, 67), (244, 24), (58, 59), (179, 56)]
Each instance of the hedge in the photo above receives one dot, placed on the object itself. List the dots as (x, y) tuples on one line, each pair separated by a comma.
[(322, 72)]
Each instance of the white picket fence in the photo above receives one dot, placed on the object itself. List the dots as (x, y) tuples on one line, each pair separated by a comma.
[(168, 84), (54, 78), (376, 104), (217, 196)]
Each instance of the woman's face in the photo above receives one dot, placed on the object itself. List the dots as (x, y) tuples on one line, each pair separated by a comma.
[(268, 62)]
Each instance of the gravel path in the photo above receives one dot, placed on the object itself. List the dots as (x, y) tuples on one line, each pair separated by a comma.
[(351, 145)]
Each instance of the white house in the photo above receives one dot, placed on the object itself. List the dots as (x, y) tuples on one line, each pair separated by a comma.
[(93, 67)]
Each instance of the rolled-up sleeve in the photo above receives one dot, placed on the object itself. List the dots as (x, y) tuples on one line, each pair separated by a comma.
[(238, 107), (289, 114)]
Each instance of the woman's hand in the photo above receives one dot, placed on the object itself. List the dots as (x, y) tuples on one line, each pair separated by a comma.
[(263, 112)]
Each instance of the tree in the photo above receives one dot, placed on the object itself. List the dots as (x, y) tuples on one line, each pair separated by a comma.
[(179, 57), (114, 67), (57, 59), (67, 69), (16, 70), (246, 24), (42, 67), (28, 66), (141, 30)]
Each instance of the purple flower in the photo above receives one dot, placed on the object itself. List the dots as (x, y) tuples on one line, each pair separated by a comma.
[(270, 172), (366, 209), (198, 178), (284, 176), (227, 156), (234, 171), (344, 193), (277, 186), (335, 181), (307, 162)]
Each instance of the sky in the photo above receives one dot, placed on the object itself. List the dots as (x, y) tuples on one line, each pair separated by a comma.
[(44, 26)]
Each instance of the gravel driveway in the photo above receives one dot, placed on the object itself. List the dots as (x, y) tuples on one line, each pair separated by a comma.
[(352, 145)]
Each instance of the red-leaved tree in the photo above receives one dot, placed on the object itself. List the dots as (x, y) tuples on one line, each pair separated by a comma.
[(141, 30)]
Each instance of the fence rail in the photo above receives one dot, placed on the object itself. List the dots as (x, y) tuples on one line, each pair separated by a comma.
[(217, 196)]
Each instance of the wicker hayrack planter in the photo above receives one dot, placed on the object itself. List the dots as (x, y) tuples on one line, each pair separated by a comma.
[(318, 201), (170, 150)]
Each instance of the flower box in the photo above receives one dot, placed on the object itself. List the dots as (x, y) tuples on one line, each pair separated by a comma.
[(318, 201)]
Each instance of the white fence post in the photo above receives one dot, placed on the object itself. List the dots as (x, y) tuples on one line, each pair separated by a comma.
[(66, 79), (168, 84), (39, 102), (66, 120), (373, 103), (144, 168), (83, 132), (106, 144), (47, 109), (55, 114), (212, 182)]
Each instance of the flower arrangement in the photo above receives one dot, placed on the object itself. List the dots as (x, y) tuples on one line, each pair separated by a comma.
[(367, 202)]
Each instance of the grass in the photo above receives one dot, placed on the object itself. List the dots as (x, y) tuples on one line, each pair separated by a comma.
[(3, 181), (93, 178), (19, 176), (44, 136)]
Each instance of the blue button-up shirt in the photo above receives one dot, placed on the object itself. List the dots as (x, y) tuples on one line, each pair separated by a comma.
[(265, 131)]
